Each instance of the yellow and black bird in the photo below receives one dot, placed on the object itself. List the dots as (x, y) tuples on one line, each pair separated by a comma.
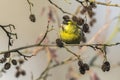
[(70, 33)]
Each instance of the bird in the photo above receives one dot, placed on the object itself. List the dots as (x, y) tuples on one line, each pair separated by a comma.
[(70, 33)]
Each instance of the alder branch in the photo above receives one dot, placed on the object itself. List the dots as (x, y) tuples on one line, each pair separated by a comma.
[(54, 45), (107, 4), (101, 3)]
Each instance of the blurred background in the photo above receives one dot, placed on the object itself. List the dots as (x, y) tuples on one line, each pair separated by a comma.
[(17, 12)]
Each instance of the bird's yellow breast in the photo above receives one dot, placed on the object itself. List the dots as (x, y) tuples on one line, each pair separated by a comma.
[(70, 37)]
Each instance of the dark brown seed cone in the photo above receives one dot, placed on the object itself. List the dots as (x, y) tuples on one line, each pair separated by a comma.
[(6, 55), (91, 23), (93, 20), (59, 43), (66, 17), (17, 67), (7, 66), (75, 19), (80, 63), (23, 72), (83, 11), (106, 66), (21, 61), (32, 17), (80, 21), (86, 66), (82, 70), (91, 14), (14, 62), (106, 63), (86, 28), (17, 74)]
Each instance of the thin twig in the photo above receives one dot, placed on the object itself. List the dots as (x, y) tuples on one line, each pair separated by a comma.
[(30, 5), (59, 8), (78, 56), (25, 56), (45, 71), (71, 59), (47, 30)]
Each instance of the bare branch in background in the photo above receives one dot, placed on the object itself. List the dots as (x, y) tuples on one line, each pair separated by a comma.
[(107, 4), (45, 72), (9, 33)]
